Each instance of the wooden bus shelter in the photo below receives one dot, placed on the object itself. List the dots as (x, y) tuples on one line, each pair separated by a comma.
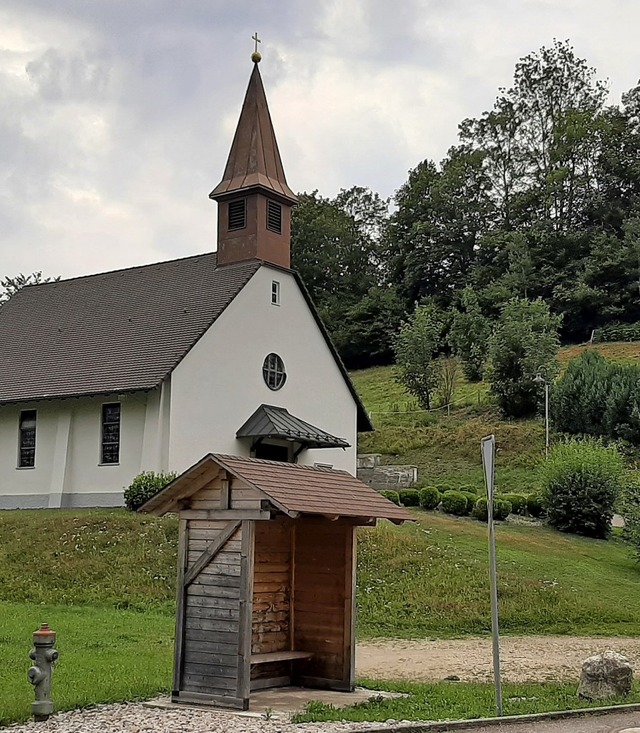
[(266, 576)]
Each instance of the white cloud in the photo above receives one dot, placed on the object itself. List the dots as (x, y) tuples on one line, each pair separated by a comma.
[(116, 118)]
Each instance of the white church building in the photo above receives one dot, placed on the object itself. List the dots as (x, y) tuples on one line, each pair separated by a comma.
[(150, 368)]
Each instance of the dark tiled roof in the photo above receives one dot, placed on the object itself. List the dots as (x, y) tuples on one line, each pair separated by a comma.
[(114, 332), (269, 421), (292, 488)]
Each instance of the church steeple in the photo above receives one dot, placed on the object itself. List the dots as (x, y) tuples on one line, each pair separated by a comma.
[(254, 215)]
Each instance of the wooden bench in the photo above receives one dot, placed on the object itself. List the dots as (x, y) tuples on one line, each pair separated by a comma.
[(283, 656)]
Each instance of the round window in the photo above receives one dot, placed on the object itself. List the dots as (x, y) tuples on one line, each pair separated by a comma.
[(273, 371)]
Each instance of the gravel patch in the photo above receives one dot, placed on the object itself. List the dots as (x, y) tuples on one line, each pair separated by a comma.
[(139, 718)]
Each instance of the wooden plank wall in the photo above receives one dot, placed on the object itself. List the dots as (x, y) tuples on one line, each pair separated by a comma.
[(323, 601), (271, 620), (211, 614), (212, 661)]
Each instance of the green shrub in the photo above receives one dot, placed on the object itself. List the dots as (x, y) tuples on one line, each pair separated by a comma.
[(480, 510), (535, 505), (470, 490), (393, 496), (471, 500), (443, 488), (144, 486), (598, 397), (454, 502), (518, 502), (429, 497), (629, 507), (410, 497), (618, 332), (581, 481), (501, 509)]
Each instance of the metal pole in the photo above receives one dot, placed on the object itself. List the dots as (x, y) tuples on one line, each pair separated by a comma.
[(546, 419), (488, 456)]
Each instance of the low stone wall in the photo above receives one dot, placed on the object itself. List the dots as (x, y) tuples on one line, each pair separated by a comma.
[(385, 477)]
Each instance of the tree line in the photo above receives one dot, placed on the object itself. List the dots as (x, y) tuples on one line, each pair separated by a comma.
[(539, 199)]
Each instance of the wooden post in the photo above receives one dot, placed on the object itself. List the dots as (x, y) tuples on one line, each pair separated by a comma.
[(246, 610), (349, 648), (183, 541)]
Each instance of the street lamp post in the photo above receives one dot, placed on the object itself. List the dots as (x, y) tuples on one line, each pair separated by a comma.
[(540, 378)]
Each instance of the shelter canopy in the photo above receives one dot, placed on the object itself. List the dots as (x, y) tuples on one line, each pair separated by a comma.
[(288, 487), (270, 422)]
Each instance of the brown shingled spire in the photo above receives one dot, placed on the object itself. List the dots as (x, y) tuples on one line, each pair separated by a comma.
[(254, 216)]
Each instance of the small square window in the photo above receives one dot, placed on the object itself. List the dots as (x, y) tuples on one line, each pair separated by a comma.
[(274, 217), (275, 293), (237, 214)]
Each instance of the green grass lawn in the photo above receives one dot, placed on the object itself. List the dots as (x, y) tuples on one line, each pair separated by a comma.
[(430, 580), (105, 656), (456, 701)]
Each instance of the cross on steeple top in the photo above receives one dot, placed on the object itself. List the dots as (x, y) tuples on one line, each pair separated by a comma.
[(255, 38)]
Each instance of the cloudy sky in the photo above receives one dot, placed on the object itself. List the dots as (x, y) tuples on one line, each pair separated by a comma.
[(116, 116)]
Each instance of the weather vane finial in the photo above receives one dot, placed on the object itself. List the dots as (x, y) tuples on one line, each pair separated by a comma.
[(256, 55)]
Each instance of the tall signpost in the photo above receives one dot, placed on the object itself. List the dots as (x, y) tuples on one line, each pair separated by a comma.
[(488, 446)]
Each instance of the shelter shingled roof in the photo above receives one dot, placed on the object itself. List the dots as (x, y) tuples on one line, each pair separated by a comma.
[(293, 488), (114, 332)]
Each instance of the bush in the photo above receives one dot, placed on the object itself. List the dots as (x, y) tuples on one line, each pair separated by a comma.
[(618, 332), (470, 490), (410, 497), (429, 497), (535, 505), (518, 502), (598, 397), (454, 502), (471, 500), (630, 509), (144, 486), (501, 509), (393, 496), (581, 483), (480, 510)]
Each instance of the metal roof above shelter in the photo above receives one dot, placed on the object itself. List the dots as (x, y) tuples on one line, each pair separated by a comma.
[(269, 421)]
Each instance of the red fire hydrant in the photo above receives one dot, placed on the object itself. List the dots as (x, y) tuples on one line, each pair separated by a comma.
[(44, 656)]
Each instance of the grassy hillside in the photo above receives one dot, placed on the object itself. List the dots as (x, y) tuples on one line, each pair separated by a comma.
[(446, 447), (427, 579), (104, 580)]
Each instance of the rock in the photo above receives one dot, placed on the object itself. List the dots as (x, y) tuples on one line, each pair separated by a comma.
[(605, 675)]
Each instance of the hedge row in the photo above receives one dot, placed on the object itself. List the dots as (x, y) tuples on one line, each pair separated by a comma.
[(465, 502), (618, 332)]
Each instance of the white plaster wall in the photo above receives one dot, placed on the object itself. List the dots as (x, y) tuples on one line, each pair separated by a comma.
[(68, 435), (219, 384)]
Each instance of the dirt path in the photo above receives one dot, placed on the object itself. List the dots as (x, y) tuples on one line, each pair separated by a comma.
[(523, 659)]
